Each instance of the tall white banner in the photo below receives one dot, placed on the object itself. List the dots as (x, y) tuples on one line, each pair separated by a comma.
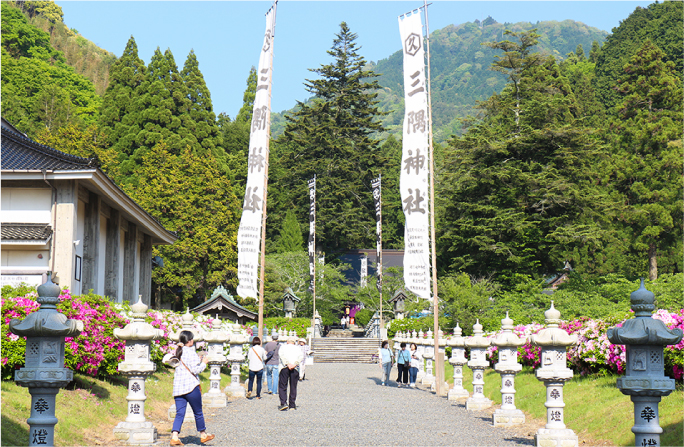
[(249, 233), (414, 184)]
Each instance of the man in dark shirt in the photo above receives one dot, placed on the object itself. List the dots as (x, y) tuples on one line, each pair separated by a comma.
[(272, 364)]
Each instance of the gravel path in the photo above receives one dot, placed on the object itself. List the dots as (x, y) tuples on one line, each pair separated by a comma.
[(344, 405)]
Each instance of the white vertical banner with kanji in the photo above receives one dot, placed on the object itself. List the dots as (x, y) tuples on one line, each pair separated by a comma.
[(414, 184), (249, 233)]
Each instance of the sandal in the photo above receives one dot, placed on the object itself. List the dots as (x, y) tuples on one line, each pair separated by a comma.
[(175, 442), (207, 438)]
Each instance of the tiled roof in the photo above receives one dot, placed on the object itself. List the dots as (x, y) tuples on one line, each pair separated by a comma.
[(26, 232), (21, 153)]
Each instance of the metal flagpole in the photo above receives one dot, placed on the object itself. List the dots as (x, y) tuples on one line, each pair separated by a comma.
[(263, 216), (439, 364)]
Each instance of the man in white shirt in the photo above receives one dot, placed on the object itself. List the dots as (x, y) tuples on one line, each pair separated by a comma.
[(290, 358)]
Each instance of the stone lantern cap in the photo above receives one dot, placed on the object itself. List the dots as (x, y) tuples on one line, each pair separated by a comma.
[(643, 329), (138, 330), (507, 339), (477, 340), (552, 335), (47, 321), (187, 318), (216, 335), (457, 340)]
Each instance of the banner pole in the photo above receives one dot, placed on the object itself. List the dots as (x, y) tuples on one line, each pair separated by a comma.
[(260, 327), (439, 364)]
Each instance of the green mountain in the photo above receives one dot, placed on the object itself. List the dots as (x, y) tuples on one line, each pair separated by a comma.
[(460, 74)]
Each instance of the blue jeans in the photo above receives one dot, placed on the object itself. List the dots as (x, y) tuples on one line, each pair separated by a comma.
[(259, 378), (386, 368), (194, 398), (413, 375), (272, 378)]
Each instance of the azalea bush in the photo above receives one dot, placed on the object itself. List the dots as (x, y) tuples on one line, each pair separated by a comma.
[(95, 351)]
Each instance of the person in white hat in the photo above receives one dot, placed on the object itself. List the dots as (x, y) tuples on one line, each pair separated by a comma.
[(305, 352)]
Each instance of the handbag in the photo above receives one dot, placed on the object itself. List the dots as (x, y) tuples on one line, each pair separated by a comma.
[(196, 376)]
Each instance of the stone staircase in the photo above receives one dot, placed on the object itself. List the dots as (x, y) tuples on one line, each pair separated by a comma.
[(345, 350)]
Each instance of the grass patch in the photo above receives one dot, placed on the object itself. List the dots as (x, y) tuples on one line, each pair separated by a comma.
[(89, 409), (594, 407)]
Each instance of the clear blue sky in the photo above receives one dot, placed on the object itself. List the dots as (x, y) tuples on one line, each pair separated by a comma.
[(227, 35)]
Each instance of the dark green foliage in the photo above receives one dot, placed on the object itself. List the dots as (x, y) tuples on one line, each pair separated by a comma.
[(290, 239), (39, 89), (362, 317), (662, 23), (298, 325), (331, 138), (648, 168), (188, 194)]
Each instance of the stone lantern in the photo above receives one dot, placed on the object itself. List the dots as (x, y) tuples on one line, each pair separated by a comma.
[(399, 300), (137, 367), (478, 362), (290, 301), (317, 326), (236, 357), (457, 343), (216, 338), (507, 343), (644, 338), (429, 343), (44, 373), (554, 373)]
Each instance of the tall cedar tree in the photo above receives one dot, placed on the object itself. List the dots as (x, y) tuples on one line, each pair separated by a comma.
[(290, 239), (331, 137), (119, 115), (188, 194), (648, 125), (518, 194), (200, 121)]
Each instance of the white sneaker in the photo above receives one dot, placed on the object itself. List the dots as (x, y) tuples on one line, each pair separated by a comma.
[(383, 384), (413, 385)]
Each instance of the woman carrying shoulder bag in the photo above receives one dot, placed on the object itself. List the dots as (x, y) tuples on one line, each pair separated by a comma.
[(386, 359), (256, 357), (403, 365), (186, 387)]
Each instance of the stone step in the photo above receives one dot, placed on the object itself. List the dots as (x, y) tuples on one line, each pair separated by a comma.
[(345, 350)]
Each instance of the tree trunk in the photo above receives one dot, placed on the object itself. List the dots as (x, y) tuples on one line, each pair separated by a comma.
[(652, 263)]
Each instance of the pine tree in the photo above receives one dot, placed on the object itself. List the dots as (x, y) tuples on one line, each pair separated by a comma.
[(649, 166), (331, 136)]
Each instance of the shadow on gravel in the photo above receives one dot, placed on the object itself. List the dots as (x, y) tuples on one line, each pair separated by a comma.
[(521, 441)]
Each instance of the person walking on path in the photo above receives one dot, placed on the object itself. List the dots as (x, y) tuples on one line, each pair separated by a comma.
[(403, 365), (272, 363), (305, 352), (256, 357), (416, 358), (186, 387), (290, 358), (386, 360)]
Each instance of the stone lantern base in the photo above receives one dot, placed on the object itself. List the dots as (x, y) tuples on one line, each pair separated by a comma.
[(478, 403), (214, 400), (553, 437), (508, 418), (235, 391), (455, 394), (137, 433), (189, 414)]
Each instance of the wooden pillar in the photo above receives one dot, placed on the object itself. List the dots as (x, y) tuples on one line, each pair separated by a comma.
[(64, 232), (113, 244), (91, 243), (130, 258), (145, 282)]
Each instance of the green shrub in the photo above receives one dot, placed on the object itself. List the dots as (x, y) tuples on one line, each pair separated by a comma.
[(362, 317), (298, 325)]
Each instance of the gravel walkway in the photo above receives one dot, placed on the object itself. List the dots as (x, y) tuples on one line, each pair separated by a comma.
[(344, 405)]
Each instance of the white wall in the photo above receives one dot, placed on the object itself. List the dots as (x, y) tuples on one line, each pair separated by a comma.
[(76, 287), (26, 205)]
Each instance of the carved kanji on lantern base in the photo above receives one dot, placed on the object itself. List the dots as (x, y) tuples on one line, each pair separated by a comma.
[(477, 363), (44, 373), (457, 343), (554, 373), (137, 367), (507, 343), (644, 338)]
